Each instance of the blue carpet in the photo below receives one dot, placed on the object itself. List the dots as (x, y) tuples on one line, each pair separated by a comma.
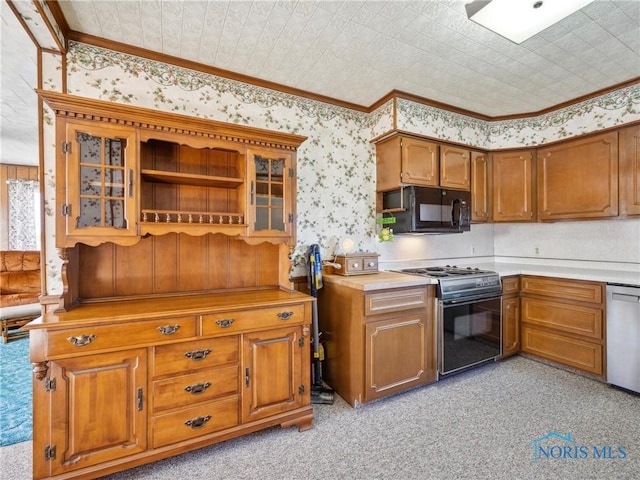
[(16, 416)]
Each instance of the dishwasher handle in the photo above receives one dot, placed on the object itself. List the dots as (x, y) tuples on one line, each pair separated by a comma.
[(626, 298)]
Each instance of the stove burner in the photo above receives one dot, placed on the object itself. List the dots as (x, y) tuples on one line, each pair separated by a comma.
[(460, 282)]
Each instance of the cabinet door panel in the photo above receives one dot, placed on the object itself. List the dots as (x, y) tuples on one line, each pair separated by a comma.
[(100, 182), (569, 351), (512, 186), (273, 375), (575, 319), (98, 408), (480, 187), (455, 168), (579, 179), (630, 171), (420, 162), (510, 326), (270, 193), (409, 337)]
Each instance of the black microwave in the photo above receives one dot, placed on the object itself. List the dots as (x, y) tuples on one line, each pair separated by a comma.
[(428, 210)]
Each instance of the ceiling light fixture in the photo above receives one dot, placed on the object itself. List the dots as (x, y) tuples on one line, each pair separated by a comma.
[(518, 20)]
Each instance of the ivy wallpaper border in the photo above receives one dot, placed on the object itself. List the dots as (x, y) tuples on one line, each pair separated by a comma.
[(90, 57)]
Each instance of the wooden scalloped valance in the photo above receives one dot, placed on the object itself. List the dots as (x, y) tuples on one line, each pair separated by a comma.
[(72, 106)]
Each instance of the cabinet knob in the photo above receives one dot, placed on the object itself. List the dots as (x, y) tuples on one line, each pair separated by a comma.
[(81, 340), (372, 264), (197, 355), (197, 422), (225, 322), (168, 329), (355, 265), (197, 388)]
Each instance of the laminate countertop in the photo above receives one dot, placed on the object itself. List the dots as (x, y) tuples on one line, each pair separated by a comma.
[(379, 281), (387, 279), (575, 273)]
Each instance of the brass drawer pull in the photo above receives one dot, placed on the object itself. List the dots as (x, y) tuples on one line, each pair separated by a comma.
[(168, 329), (197, 388), (225, 322), (285, 315), (197, 355), (197, 422), (82, 340)]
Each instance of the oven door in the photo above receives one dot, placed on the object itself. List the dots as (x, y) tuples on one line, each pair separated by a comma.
[(470, 332)]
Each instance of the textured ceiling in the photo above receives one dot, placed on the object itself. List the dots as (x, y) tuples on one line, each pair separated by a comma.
[(358, 51), (18, 119)]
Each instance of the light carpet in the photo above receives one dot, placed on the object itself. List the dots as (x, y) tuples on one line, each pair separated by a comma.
[(478, 425), (16, 422)]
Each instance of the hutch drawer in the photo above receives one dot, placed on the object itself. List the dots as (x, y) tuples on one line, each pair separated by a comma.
[(194, 388), (230, 322), (195, 355), (195, 421), (94, 338)]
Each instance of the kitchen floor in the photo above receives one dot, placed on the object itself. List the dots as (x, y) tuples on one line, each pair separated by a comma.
[(517, 418)]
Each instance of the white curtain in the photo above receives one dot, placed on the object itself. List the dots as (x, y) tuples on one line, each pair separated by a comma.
[(24, 215)]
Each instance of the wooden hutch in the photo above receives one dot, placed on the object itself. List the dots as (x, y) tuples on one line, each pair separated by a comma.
[(179, 326)]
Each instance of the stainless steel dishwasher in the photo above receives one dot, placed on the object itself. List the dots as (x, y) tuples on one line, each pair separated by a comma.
[(623, 336)]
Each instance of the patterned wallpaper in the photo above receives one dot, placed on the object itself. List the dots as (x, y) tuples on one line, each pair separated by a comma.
[(336, 164), (614, 108)]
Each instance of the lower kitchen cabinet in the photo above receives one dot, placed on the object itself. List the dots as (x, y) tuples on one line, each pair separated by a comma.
[(98, 409), (510, 316), (222, 366), (564, 321), (273, 367), (377, 343)]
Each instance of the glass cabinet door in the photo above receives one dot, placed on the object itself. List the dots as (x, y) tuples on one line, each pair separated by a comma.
[(270, 202), (100, 180)]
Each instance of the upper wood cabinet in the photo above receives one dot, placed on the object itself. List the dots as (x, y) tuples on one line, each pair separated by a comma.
[(97, 178), (271, 194), (403, 160), (513, 180), (126, 172), (455, 168), (481, 195), (629, 164), (578, 179)]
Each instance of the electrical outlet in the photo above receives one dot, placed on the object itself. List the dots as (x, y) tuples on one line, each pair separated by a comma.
[(473, 249), (536, 250)]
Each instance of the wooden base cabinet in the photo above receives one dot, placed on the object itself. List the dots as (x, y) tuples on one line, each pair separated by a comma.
[(564, 321), (510, 316), (215, 366), (99, 406), (377, 343)]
